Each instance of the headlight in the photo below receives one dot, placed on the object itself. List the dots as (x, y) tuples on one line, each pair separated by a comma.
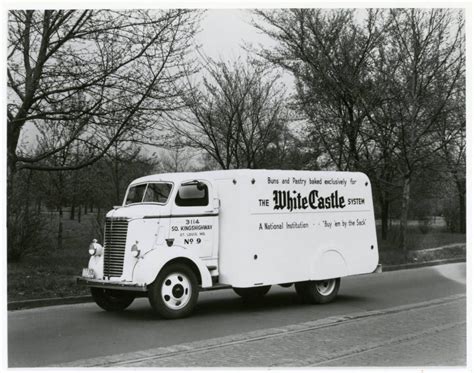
[(135, 250), (95, 248), (92, 249)]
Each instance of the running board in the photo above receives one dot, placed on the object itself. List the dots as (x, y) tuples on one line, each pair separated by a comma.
[(216, 287)]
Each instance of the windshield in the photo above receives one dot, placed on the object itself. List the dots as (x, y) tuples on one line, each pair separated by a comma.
[(148, 193)]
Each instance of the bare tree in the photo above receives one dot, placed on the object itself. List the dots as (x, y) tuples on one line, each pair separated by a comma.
[(451, 137), (235, 115), (99, 76), (427, 51), (177, 159), (330, 55)]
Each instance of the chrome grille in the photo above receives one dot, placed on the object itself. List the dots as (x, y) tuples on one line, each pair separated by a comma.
[(115, 238)]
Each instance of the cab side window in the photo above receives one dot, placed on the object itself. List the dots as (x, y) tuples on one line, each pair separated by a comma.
[(192, 195)]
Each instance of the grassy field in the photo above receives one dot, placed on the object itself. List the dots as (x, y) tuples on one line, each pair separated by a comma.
[(420, 237), (50, 272), (42, 278)]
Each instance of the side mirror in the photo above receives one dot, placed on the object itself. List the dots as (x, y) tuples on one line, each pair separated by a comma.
[(200, 185)]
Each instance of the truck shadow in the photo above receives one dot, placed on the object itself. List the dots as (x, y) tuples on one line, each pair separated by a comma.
[(270, 303), (230, 305)]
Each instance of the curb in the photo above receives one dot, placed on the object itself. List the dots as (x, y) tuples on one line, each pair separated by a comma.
[(35, 303), (397, 267)]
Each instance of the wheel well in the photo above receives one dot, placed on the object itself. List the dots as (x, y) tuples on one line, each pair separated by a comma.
[(190, 264)]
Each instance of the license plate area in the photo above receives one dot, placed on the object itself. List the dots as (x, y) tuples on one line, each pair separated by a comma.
[(87, 273)]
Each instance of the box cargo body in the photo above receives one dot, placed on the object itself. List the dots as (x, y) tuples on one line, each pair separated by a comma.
[(288, 226)]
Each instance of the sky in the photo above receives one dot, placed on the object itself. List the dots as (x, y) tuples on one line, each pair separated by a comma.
[(224, 31)]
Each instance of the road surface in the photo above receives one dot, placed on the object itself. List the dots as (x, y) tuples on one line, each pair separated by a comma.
[(428, 301)]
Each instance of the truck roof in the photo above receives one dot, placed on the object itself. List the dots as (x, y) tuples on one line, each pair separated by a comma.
[(225, 174), (181, 176)]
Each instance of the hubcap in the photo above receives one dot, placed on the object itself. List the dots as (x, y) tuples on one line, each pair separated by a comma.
[(325, 287), (176, 291)]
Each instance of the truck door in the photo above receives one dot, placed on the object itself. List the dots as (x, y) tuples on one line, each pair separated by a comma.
[(194, 218)]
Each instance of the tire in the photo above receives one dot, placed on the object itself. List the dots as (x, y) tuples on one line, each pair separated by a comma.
[(252, 294), (175, 291), (318, 292), (112, 300)]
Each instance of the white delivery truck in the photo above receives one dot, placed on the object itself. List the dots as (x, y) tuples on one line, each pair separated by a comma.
[(180, 233)]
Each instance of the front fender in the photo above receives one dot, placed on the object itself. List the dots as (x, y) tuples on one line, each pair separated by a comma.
[(96, 263), (148, 267)]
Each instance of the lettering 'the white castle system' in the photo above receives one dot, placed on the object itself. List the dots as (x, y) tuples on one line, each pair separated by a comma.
[(294, 200)]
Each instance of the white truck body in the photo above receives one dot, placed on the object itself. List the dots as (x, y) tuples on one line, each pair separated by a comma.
[(258, 227)]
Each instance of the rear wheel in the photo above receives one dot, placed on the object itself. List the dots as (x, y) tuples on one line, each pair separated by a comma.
[(317, 292), (174, 293), (112, 300), (252, 294)]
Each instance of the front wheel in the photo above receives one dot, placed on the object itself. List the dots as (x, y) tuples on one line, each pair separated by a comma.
[(252, 294), (317, 292), (112, 300), (174, 293)]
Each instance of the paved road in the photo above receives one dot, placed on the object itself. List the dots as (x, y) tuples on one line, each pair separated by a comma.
[(55, 335), (431, 333)]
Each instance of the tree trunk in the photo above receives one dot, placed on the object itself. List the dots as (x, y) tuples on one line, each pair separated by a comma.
[(352, 132), (353, 156), (27, 200), (72, 213), (462, 206), (79, 210), (116, 179), (11, 174), (60, 229), (13, 135), (27, 196), (404, 216), (74, 191), (385, 209)]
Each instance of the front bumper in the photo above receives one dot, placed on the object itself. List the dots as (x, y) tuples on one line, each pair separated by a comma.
[(110, 284)]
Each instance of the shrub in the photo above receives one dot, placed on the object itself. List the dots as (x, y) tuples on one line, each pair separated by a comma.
[(424, 224), (451, 214), (24, 233)]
